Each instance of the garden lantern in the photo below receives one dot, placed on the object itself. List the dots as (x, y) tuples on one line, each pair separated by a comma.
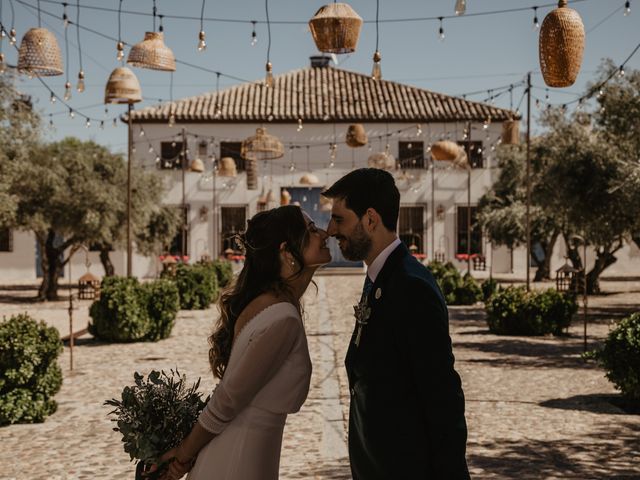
[(566, 278), (88, 287)]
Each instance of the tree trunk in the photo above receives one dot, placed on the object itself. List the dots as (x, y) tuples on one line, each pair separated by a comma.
[(44, 265), (544, 268), (572, 253), (604, 259), (109, 271), (51, 268)]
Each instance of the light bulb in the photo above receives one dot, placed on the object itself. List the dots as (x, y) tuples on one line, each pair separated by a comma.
[(627, 8), (3, 34), (621, 72), (172, 120), (485, 124), (80, 86), (65, 19), (218, 111), (12, 36), (536, 23), (101, 124), (268, 81), (461, 7), (300, 127), (52, 97), (120, 48), (88, 123), (157, 159), (376, 72), (418, 130), (202, 45), (292, 167), (441, 31), (67, 91), (72, 114), (3, 66), (115, 123), (150, 148), (254, 37), (331, 164)]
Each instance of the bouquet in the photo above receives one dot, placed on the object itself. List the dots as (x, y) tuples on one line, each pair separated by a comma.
[(155, 415)]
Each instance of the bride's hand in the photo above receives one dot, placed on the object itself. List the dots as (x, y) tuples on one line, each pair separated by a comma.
[(176, 469)]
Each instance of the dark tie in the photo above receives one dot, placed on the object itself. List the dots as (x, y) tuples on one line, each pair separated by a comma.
[(366, 289)]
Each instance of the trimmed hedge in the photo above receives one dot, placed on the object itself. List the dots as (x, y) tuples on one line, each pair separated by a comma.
[(224, 272), (29, 373), (128, 311), (620, 357), (488, 287), (457, 289), (514, 311), (197, 285)]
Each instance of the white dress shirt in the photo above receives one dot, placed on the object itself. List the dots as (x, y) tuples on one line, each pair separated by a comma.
[(374, 269)]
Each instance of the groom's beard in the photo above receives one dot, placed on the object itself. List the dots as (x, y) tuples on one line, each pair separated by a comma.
[(358, 245)]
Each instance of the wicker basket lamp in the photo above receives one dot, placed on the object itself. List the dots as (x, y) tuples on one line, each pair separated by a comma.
[(262, 146), (445, 150), (122, 87), (382, 160), (152, 53), (251, 166), (561, 46), (309, 179), (356, 135), (511, 132), (335, 28), (285, 197), (39, 54), (197, 165), (227, 167)]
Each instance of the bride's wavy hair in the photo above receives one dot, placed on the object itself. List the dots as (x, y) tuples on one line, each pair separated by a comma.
[(266, 231)]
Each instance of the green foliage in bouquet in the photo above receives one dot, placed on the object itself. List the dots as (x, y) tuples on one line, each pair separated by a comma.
[(156, 413), (120, 314), (163, 303), (197, 285), (457, 290), (29, 373), (620, 357), (514, 311)]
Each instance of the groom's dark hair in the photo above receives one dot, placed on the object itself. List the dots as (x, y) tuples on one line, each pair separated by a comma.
[(369, 188)]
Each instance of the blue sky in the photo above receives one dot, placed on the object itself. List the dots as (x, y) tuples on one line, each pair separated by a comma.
[(478, 53)]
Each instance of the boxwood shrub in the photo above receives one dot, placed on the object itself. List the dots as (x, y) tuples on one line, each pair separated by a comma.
[(514, 311), (457, 289), (197, 285), (224, 272), (128, 311), (620, 357), (29, 373)]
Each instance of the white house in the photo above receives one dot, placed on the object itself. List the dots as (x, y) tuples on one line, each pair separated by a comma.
[(310, 110)]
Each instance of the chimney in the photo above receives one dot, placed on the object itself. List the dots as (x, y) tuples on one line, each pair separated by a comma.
[(320, 61)]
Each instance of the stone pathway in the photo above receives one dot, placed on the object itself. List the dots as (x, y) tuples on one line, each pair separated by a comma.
[(535, 410)]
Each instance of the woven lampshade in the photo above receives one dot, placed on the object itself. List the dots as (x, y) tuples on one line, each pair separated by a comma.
[(309, 179), (511, 132), (271, 198), (461, 161), (152, 53), (39, 54), (227, 167), (285, 197), (382, 160), (251, 167), (445, 150), (356, 135), (335, 28), (561, 46), (261, 146), (197, 165), (122, 87)]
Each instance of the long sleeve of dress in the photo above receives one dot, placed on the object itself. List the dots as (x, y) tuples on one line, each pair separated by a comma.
[(265, 353)]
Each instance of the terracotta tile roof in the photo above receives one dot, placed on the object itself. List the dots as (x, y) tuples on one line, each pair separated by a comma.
[(321, 94)]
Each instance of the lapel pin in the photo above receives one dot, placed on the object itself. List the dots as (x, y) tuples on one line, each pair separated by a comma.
[(378, 293)]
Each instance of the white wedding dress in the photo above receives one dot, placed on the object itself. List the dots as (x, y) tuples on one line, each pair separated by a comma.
[(267, 377)]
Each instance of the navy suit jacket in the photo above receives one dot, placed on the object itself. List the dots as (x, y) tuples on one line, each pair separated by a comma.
[(406, 416)]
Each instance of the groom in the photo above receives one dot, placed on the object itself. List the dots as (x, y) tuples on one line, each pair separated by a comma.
[(406, 418)]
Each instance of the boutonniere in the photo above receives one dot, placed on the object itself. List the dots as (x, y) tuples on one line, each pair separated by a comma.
[(362, 313)]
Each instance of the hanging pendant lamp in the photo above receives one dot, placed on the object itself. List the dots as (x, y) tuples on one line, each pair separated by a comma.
[(262, 146), (197, 165), (510, 132), (445, 150), (227, 167), (309, 179), (152, 53), (335, 28), (356, 135), (122, 87), (382, 160), (561, 46), (39, 54)]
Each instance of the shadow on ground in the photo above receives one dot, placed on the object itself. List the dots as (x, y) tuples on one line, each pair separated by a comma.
[(604, 453), (595, 403)]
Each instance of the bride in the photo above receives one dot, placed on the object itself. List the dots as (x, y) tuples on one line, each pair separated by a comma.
[(259, 351)]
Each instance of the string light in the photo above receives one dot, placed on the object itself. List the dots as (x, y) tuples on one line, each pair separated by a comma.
[(88, 123), (12, 36), (71, 113), (67, 91), (101, 124), (218, 111), (115, 123), (254, 36), (65, 17), (80, 85), (52, 97), (67, 84), (441, 30), (202, 45), (269, 77), (418, 130), (621, 71), (3, 65), (627, 8), (376, 72), (300, 127), (536, 23), (120, 44), (141, 132), (461, 7)]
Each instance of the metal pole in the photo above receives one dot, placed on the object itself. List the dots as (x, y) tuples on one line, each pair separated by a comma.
[(214, 217), (528, 213), (129, 161), (183, 162), (584, 294), (469, 198), (70, 314), (433, 210)]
